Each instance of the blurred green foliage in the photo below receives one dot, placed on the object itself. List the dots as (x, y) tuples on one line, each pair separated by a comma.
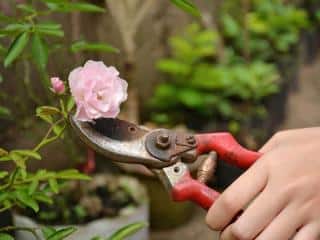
[(60, 233), (18, 187), (198, 83), (228, 72), (269, 29)]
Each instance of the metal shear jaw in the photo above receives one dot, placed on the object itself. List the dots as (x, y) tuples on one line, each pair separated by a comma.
[(166, 153), (118, 140)]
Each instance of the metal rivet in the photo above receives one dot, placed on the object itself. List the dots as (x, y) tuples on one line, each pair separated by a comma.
[(176, 169), (163, 141)]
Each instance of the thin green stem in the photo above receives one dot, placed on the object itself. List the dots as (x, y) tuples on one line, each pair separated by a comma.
[(45, 140), (11, 181), (13, 178), (46, 137)]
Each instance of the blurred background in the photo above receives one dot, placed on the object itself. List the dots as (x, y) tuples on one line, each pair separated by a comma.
[(249, 67)]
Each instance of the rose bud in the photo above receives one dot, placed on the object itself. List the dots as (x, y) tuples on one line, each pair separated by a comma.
[(58, 86)]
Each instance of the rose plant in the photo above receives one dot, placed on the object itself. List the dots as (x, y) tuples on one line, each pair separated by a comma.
[(26, 35), (24, 24), (98, 92)]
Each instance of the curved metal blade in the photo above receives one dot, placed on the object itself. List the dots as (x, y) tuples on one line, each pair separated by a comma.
[(118, 140), (118, 129)]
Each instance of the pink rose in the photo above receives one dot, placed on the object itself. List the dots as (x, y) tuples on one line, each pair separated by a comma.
[(57, 85), (98, 91)]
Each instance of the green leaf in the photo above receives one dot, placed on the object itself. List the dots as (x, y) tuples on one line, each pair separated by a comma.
[(5, 158), (51, 32), (27, 153), (46, 113), (63, 6), (26, 8), (33, 187), (23, 173), (3, 174), (15, 28), (191, 98), (58, 129), (187, 6), (54, 185), (230, 26), (4, 111), (18, 159), (318, 15), (3, 152), (41, 197), (48, 140), (80, 211), (4, 236), (39, 51), (127, 231), (27, 200), (62, 233), (172, 66), (4, 197), (49, 25), (70, 104), (16, 48), (53, 29), (47, 231), (93, 47), (47, 110), (72, 174), (97, 238)]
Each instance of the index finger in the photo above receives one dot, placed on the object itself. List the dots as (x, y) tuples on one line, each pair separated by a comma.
[(237, 196)]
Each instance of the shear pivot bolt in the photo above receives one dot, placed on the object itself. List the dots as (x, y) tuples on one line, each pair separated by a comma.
[(191, 140), (163, 141)]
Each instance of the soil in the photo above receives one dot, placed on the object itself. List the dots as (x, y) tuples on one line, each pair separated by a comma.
[(81, 201), (302, 111)]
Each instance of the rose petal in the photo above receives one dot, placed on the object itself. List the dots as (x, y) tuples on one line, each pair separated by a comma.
[(98, 90)]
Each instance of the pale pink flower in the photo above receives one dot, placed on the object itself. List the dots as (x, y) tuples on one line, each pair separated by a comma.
[(57, 85), (98, 91)]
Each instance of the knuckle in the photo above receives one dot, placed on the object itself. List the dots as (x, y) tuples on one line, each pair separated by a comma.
[(291, 189), (228, 203), (239, 232)]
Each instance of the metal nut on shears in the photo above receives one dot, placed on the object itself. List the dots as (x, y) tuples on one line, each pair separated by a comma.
[(163, 141), (191, 140)]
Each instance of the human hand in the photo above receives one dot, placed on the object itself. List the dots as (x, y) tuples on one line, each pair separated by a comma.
[(281, 192)]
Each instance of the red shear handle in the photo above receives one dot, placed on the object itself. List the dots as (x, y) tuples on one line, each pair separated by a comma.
[(189, 189), (227, 148)]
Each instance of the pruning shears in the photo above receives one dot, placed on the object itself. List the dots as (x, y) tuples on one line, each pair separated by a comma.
[(167, 153)]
